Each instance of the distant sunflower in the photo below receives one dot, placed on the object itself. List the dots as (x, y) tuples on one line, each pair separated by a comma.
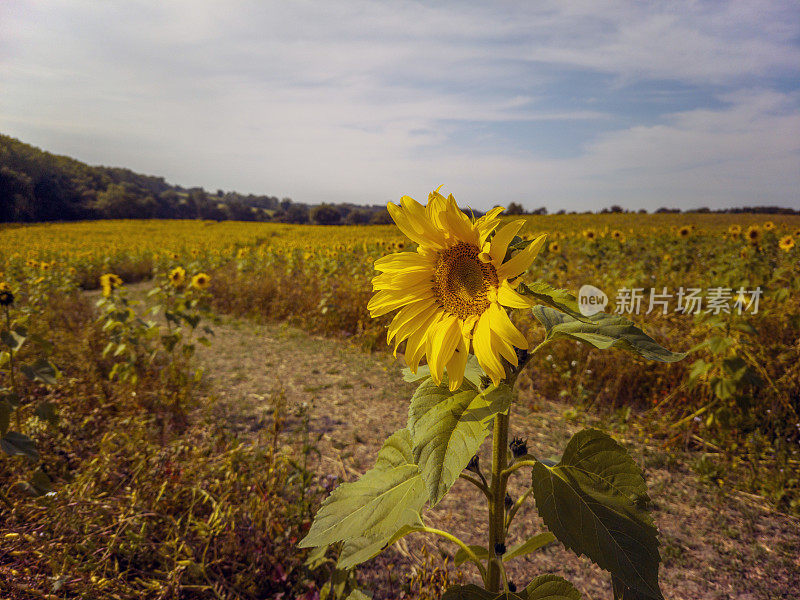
[(108, 282), (744, 252), (786, 243), (177, 276), (685, 231), (452, 291), (201, 281), (618, 235), (753, 234), (735, 230), (590, 234), (769, 226), (554, 247)]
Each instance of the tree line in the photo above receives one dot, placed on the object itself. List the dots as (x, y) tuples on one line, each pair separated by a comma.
[(39, 186)]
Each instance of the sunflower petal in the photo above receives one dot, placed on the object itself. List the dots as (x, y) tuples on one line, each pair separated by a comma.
[(501, 240), (456, 366), (482, 344), (520, 262), (502, 325), (507, 296), (443, 342)]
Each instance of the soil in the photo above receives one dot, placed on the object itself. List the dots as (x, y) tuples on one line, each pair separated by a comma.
[(715, 543)]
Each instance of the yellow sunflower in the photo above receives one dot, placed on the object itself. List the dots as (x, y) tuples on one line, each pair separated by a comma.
[(590, 234), (6, 295), (554, 247), (452, 290), (177, 276), (786, 243), (108, 282), (685, 231), (769, 225), (618, 235), (201, 281), (753, 234), (735, 230)]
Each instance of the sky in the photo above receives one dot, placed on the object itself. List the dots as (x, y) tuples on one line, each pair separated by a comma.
[(573, 105)]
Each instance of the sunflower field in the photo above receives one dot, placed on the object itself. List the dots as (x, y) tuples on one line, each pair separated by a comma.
[(102, 322)]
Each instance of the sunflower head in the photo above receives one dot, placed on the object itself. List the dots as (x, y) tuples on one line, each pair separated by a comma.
[(753, 234), (6, 295), (786, 243), (177, 276), (735, 230), (453, 290), (590, 234), (554, 247), (769, 226), (685, 231), (201, 281), (108, 282)]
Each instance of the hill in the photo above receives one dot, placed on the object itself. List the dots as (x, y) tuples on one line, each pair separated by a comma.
[(36, 186)]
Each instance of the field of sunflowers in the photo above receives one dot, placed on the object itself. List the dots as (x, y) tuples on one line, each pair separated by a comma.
[(102, 320)]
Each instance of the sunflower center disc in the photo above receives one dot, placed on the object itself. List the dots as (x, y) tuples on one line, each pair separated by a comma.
[(461, 282)]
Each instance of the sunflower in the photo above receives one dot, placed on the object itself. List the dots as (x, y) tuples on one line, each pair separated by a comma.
[(554, 247), (201, 281), (618, 235), (744, 252), (177, 276), (590, 234), (769, 226), (735, 230), (753, 234), (786, 243), (685, 231), (451, 291), (108, 282)]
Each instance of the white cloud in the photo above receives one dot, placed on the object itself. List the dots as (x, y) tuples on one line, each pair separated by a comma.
[(361, 101)]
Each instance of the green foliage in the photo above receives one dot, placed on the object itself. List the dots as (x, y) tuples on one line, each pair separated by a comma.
[(382, 501), (473, 592), (447, 429), (594, 502), (551, 587), (604, 331)]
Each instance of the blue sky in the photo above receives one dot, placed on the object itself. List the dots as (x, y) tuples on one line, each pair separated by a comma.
[(574, 105)]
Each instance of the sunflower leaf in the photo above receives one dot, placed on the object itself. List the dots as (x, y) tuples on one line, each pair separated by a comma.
[(447, 429), (561, 300), (473, 592), (532, 544), (358, 550), (604, 331), (551, 587), (594, 502), (382, 501)]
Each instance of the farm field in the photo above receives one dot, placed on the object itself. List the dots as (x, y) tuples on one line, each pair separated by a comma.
[(184, 395)]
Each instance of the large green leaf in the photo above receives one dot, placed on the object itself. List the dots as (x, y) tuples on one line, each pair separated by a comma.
[(561, 300), (12, 339), (594, 501), (356, 551), (447, 429), (473, 592), (551, 587), (604, 331), (532, 544), (385, 499)]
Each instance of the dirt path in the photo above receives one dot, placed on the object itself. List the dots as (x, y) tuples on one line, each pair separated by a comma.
[(715, 545)]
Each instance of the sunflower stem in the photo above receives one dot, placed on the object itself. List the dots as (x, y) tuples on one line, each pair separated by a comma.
[(497, 530)]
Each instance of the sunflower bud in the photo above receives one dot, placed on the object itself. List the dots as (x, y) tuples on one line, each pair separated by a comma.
[(519, 447), (6, 297), (499, 549), (474, 464), (512, 587)]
